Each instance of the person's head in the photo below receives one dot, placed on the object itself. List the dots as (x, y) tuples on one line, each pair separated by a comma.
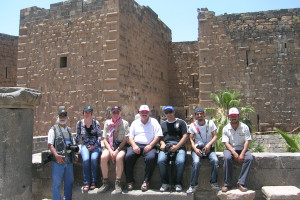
[(62, 117), (115, 112), (169, 113), (234, 115), (87, 112), (199, 114), (144, 112)]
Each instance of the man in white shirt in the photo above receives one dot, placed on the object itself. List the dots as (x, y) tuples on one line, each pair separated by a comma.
[(144, 134), (236, 137)]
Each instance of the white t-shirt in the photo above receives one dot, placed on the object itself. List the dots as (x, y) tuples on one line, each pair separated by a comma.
[(236, 138), (205, 134), (145, 133)]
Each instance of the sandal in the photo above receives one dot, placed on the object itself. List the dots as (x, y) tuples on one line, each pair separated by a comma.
[(145, 186), (129, 186), (93, 186), (86, 188)]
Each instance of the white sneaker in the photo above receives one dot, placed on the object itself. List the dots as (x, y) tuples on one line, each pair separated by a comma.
[(165, 187), (215, 186), (191, 189), (178, 188)]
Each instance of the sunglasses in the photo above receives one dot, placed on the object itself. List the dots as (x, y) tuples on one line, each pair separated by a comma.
[(168, 112)]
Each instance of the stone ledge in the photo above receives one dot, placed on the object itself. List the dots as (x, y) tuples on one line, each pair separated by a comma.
[(281, 192), (236, 194)]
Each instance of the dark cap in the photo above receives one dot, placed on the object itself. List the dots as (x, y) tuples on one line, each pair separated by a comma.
[(198, 110), (88, 108), (114, 108), (168, 108), (62, 112)]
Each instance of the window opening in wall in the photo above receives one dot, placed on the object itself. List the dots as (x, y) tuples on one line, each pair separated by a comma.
[(63, 62), (284, 45), (162, 75), (247, 58), (6, 72), (186, 113), (193, 81)]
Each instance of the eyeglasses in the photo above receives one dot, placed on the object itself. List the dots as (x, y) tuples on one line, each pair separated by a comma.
[(168, 112)]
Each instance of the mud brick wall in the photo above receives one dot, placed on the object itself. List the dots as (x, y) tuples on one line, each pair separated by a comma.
[(257, 54), (144, 47), (184, 76), (8, 60)]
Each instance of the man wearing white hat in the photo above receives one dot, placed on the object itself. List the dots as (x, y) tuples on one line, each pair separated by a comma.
[(144, 134), (236, 137)]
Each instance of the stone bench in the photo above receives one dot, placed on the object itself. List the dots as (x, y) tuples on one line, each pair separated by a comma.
[(236, 195), (281, 192)]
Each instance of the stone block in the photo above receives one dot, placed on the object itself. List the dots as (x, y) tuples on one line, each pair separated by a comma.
[(281, 192), (236, 194)]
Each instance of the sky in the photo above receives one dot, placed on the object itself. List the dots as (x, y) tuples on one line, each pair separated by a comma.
[(179, 15)]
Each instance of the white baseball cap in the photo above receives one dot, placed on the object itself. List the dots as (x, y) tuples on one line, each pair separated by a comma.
[(233, 111), (144, 108)]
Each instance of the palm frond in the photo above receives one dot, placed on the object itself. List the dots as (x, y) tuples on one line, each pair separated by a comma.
[(289, 140)]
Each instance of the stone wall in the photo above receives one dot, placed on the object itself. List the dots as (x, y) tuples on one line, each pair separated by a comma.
[(8, 60), (184, 75), (268, 169), (257, 54), (111, 58)]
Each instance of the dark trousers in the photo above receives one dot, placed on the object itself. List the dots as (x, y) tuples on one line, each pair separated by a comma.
[(131, 158), (228, 167)]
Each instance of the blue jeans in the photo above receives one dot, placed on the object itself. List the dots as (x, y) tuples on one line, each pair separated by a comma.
[(62, 171), (213, 159), (179, 166), (90, 164)]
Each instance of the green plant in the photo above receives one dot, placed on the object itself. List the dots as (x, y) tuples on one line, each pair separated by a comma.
[(293, 142), (256, 147), (224, 101)]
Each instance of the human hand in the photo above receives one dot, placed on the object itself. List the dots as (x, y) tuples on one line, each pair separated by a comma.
[(90, 147), (147, 148), (162, 147), (59, 159), (136, 149)]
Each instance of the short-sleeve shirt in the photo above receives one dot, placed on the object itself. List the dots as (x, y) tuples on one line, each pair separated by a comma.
[(90, 136), (205, 135), (173, 131), (64, 131), (145, 133), (122, 129), (236, 138)]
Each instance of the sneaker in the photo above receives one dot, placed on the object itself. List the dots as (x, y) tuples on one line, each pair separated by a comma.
[(191, 189), (104, 187), (178, 188), (215, 186), (164, 187), (118, 188)]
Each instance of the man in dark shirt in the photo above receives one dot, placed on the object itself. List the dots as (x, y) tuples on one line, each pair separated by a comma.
[(174, 137)]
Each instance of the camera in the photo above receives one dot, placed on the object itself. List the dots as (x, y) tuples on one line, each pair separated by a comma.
[(72, 148), (48, 158), (172, 155), (201, 147)]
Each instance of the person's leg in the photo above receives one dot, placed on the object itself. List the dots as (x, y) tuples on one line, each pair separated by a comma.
[(245, 168), (95, 164), (120, 164), (57, 175), (195, 169), (227, 168), (214, 161), (162, 162), (130, 160), (150, 162), (68, 181), (105, 157), (180, 164), (85, 154)]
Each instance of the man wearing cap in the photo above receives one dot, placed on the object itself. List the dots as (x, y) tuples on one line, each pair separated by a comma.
[(202, 137), (236, 137), (115, 134), (172, 144), (144, 134), (59, 137)]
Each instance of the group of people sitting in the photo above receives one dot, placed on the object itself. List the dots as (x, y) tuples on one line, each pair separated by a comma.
[(124, 144)]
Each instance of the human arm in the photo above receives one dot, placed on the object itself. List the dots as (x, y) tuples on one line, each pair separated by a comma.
[(152, 144), (58, 158), (208, 146), (181, 142), (135, 148)]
